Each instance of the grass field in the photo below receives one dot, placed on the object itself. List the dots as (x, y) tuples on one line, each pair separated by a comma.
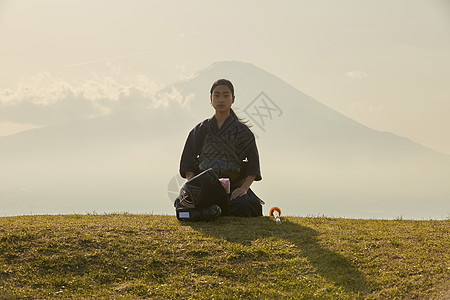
[(123, 256)]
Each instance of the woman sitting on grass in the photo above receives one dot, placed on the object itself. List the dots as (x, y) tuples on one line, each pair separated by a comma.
[(225, 144)]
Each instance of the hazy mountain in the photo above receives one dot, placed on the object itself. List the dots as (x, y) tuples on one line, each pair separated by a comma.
[(314, 160)]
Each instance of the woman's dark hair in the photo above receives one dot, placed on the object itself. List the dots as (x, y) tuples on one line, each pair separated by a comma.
[(228, 83), (222, 82)]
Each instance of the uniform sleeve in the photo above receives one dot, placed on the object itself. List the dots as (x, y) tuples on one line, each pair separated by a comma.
[(252, 154), (189, 156), (192, 149)]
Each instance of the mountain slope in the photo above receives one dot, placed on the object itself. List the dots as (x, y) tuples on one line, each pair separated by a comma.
[(272, 105)]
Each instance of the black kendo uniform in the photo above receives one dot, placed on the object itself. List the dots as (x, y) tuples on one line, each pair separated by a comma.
[(232, 153)]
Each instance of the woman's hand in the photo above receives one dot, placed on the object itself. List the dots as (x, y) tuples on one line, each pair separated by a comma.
[(189, 175), (238, 192), (244, 188)]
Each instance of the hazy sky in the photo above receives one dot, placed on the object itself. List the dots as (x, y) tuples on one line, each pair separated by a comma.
[(384, 63)]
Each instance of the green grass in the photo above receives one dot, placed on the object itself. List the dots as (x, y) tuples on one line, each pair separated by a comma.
[(146, 256)]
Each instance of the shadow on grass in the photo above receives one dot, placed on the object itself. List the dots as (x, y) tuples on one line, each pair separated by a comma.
[(328, 264)]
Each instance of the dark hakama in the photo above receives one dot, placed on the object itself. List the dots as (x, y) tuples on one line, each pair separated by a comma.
[(231, 152)]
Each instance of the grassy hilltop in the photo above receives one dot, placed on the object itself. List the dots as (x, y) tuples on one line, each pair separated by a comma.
[(146, 256)]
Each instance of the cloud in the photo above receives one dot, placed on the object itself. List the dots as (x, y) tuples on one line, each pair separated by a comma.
[(7, 128), (164, 98), (45, 100), (356, 74)]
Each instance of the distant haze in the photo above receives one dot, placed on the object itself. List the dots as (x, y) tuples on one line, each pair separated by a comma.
[(385, 64), (119, 151)]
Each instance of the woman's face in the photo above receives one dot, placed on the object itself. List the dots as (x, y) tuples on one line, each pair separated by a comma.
[(221, 98)]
